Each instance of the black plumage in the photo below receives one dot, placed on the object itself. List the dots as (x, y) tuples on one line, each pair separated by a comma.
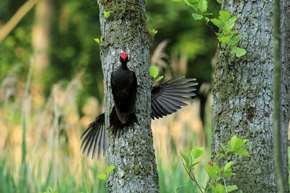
[(166, 99), (124, 88), (95, 137)]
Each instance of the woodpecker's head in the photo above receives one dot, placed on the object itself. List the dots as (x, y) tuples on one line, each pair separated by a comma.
[(123, 57)]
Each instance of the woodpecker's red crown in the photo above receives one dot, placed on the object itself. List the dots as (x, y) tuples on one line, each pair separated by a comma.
[(124, 56)]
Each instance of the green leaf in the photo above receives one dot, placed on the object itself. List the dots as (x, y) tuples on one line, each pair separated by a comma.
[(177, 0), (211, 171), (109, 169), (154, 71), (195, 163), (242, 152), (107, 14), (206, 14), (197, 152), (158, 78), (235, 39), (245, 141), (225, 15), (216, 22), (97, 40), (186, 159), (197, 16), (219, 1), (191, 3), (232, 33), (231, 188), (206, 19), (236, 143), (220, 188), (220, 154), (239, 51), (212, 187), (228, 165), (223, 147), (102, 176), (232, 20), (202, 6), (154, 31), (228, 174), (225, 39)]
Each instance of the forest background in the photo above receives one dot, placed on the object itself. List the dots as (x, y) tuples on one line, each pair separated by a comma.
[(52, 88)]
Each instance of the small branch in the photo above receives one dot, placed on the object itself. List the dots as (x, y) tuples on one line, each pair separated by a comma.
[(281, 177), (225, 185), (192, 177), (8, 27), (209, 26)]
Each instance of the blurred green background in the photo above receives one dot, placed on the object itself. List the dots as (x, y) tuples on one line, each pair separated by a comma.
[(52, 88)]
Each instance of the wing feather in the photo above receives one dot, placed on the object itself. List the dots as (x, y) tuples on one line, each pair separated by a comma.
[(94, 138), (171, 95)]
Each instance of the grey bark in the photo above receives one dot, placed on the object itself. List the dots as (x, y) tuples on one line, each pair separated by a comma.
[(278, 139), (243, 97), (132, 153)]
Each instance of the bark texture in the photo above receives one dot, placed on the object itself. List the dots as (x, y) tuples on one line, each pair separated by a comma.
[(243, 97), (132, 153)]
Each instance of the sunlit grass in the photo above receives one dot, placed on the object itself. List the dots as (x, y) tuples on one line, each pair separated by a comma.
[(39, 140)]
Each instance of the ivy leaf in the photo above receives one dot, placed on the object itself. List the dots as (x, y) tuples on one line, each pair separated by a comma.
[(102, 176), (109, 169), (153, 71), (225, 15), (202, 5), (197, 16), (107, 14)]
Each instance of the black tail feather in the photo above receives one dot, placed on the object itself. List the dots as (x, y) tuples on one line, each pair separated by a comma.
[(117, 127)]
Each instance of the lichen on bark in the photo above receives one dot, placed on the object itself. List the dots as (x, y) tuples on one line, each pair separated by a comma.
[(132, 153)]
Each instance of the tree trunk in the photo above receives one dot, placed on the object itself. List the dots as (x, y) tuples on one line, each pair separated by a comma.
[(243, 97), (132, 153)]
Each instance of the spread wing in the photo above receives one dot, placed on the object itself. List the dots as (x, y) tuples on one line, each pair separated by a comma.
[(94, 138), (168, 97)]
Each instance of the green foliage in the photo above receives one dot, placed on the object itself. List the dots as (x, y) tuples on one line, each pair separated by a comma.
[(50, 191), (107, 14), (227, 38), (154, 71), (104, 176), (154, 31), (99, 41), (216, 174)]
